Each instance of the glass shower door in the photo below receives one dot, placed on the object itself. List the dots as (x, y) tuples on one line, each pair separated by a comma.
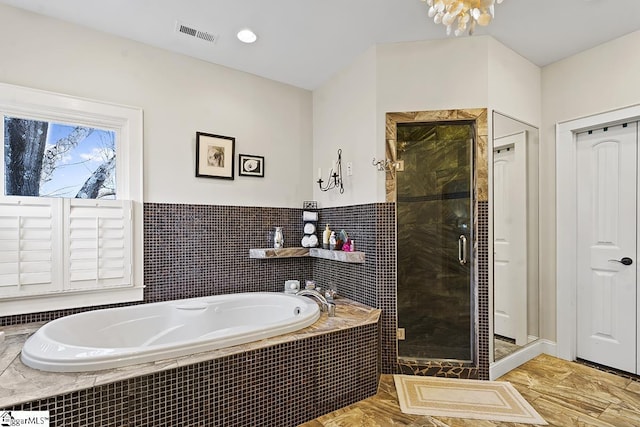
[(434, 214)]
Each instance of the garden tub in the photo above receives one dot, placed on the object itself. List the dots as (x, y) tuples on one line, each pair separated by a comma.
[(116, 337)]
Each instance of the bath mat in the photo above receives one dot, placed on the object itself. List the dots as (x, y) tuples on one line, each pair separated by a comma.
[(455, 398)]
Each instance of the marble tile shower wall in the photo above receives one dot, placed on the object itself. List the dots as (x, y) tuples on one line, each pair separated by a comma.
[(480, 368)]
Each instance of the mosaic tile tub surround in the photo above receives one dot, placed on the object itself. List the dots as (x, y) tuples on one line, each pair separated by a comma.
[(198, 250), (372, 226), (282, 381)]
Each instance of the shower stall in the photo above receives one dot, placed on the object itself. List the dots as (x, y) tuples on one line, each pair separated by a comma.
[(434, 199)]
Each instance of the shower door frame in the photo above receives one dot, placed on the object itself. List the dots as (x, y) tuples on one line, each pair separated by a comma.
[(479, 293), (470, 233)]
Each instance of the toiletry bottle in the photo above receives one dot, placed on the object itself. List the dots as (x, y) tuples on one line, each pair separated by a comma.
[(325, 237), (278, 238), (332, 241)]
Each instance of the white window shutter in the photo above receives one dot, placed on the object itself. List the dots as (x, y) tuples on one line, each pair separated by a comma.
[(30, 242), (98, 243)]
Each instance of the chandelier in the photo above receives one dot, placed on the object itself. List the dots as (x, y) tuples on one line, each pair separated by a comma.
[(468, 13)]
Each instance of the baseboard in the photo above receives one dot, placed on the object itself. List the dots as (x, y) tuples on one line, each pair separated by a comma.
[(526, 353)]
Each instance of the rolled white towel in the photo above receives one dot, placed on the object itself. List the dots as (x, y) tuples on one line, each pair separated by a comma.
[(305, 241), (313, 241), (309, 216), (309, 228)]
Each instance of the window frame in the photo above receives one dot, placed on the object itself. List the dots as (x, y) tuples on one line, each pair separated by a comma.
[(127, 123)]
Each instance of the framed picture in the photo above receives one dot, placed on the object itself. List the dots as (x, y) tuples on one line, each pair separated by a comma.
[(214, 155), (251, 165)]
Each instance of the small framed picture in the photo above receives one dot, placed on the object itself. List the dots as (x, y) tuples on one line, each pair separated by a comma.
[(214, 155), (251, 165)]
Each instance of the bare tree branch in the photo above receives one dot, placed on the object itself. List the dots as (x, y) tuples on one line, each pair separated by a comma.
[(92, 186), (61, 147)]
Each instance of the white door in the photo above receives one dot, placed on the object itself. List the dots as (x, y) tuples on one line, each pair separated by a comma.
[(606, 222), (510, 237)]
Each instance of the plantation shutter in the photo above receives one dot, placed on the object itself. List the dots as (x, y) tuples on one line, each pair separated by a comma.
[(98, 243), (52, 246), (30, 263)]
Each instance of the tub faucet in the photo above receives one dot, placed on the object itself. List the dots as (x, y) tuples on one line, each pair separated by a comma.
[(325, 305)]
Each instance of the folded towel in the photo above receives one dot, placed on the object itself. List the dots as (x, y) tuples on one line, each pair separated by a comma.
[(309, 216)]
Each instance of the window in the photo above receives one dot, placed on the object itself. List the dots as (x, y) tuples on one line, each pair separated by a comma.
[(71, 206), (49, 159)]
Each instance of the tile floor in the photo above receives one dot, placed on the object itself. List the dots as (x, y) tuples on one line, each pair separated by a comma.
[(503, 348), (566, 394)]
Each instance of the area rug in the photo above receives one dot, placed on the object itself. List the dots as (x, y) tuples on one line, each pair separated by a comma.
[(456, 398)]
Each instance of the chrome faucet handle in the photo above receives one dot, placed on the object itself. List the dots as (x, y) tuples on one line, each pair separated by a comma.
[(330, 294), (331, 309), (325, 305)]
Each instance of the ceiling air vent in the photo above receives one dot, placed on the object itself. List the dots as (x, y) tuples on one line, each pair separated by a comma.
[(194, 32)]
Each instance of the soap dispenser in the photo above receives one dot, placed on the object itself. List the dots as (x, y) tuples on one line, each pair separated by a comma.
[(326, 235)]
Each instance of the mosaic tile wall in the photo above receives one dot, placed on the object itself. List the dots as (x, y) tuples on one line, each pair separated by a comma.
[(372, 226), (198, 250), (195, 250), (482, 288), (283, 385)]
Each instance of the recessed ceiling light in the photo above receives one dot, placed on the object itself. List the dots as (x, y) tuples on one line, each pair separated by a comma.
[(247, 36)]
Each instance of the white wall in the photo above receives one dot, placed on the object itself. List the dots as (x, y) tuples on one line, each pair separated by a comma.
[(600, 79), (349, 110), (432, 75), (344, 117), (514, 84), (179, 96)]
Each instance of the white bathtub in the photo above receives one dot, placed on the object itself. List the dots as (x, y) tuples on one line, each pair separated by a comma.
[(110, 338)]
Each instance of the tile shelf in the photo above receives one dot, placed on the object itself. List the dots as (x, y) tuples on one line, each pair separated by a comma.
[(340, 256)]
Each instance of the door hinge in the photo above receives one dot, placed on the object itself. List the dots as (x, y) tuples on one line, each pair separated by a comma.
[(400, 334)]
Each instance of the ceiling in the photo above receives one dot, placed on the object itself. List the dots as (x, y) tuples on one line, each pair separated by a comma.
[(304, 42)]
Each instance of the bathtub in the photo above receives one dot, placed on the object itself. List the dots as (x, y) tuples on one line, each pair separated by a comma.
[(115, 337)]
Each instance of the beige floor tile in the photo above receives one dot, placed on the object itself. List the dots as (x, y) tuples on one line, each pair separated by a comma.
[(566, 394), (634, 386), (558, 415), (621, 416)]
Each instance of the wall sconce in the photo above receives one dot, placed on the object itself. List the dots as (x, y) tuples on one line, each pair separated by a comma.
[(335, 176), (387, 165)]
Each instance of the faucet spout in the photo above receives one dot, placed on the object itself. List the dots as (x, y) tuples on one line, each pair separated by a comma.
[(325, 305)]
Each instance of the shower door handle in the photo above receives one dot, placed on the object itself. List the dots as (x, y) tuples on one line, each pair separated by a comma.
[(462, 249)]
